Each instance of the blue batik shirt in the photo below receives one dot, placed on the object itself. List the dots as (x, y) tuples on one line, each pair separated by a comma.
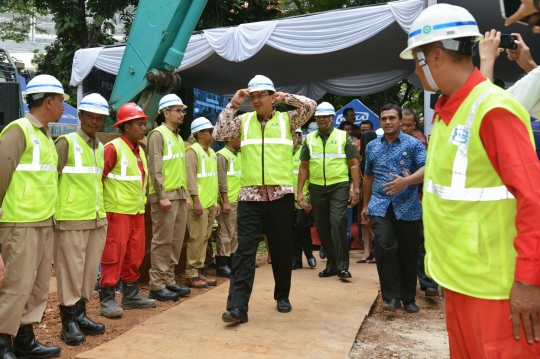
[(382, 158)]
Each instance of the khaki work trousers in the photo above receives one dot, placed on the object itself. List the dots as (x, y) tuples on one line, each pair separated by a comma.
[(168, 230), (77, 254), (27, 253), (227, 240), (200, 230)]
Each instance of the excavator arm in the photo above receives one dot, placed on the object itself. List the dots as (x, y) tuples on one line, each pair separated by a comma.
[(156, 45)]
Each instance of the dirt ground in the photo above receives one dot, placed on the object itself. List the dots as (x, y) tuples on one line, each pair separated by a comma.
[(404, 336), (48, 331)]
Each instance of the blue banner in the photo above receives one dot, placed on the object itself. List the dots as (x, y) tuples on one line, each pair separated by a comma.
[(362, 113)]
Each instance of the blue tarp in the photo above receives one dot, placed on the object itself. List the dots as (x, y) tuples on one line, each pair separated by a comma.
[(362, 113), (68, 116)]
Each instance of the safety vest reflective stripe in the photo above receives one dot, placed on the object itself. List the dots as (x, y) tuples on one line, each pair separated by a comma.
[(123, 178), (340, 153), (208, 174), (295, 172), (232, 173), (457, 191), (274, 141), (124, 164), (171, 155), (35, 167), (36, 157), (79, 168)]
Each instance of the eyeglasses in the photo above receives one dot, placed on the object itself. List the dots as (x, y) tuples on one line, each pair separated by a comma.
[(178, 111), (262, 95)]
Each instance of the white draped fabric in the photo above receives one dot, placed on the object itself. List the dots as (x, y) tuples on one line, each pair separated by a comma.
[(303, 35)]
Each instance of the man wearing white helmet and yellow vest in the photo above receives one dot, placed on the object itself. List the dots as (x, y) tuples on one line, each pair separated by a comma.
[(81, 224), (28, 194), (202, 181), (327, 156), (266, 198), (229, 171), (480, 203), (167, 197)]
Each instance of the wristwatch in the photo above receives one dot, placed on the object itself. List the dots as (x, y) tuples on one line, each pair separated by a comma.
[(356, 191)]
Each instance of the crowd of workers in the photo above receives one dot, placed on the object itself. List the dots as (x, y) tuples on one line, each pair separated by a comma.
[(81, 203)]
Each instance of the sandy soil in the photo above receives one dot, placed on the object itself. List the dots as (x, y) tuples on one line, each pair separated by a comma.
[(48, 331), (402, 335)]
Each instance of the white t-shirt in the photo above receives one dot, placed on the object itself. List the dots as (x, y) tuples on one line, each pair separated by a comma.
[(527, 92)]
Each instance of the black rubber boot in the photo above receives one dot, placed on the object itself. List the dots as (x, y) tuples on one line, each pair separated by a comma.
[(25, 345), (6, 347), (109, 308), (131, 298), (70, 333), (223, 269), (86, 325)]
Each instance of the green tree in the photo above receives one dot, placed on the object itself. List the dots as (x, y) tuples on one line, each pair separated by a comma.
[(219, 13), (19, 19)]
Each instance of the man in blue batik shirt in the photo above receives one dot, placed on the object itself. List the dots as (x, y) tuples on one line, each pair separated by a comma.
[(394, 167)]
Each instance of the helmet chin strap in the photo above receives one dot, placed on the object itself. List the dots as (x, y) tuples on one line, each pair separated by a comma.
[(422, 62)]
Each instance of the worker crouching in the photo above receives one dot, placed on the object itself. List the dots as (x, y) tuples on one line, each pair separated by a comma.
[(125, 176)]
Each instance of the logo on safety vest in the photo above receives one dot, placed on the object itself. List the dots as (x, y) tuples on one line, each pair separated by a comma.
[(333, 142), (426, 29), (459, 135)]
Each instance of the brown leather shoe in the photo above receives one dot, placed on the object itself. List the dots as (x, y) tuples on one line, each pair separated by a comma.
[(196, 283), (204, 277)]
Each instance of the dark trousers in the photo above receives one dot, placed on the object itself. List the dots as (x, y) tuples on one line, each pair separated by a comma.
[(302, 236), (424, 280), (330, 212), (275, 219), (396, 254)]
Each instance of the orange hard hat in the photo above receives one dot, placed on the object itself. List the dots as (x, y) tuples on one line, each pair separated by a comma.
[(129, 111)]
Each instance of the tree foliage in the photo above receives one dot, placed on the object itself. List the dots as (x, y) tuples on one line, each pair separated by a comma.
[(22, 18), (219, 13)]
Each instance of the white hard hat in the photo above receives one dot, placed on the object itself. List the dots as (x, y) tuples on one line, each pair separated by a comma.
[(94, 103), (261, 83), (325, 109), (200, 123), (312, 127), (299, 130), (441, 22), (42, 84), (170, 100)]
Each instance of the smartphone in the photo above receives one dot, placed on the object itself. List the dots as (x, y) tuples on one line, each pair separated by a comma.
[(508, 42), (510, 7)]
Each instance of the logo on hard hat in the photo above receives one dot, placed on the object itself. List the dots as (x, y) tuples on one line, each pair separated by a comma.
[(427, 29), (138, 108), (100, 105)]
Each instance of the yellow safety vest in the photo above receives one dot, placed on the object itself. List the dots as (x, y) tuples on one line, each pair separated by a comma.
[(125, 192), (173, 161), (469, 214), (266, 157), (207, 176), (296, 170), (328, 162), (233, 173), (31, 194), (80, 190)]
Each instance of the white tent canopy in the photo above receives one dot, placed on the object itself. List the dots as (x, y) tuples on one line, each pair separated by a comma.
[(336, 51)]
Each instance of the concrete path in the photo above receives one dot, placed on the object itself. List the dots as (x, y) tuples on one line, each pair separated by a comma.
[(326, 316)]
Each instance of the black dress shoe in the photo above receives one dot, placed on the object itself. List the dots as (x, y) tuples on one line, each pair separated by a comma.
[(328, 273), (431, 292), (163, 295), (312, 262), (344, 274), (392, 305), (235, 315), (296, 265), (283, 305), (321, 253), (182, 291), (411, 307)]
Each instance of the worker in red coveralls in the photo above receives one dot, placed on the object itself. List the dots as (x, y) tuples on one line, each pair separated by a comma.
[(480, 200), (125, 176)]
